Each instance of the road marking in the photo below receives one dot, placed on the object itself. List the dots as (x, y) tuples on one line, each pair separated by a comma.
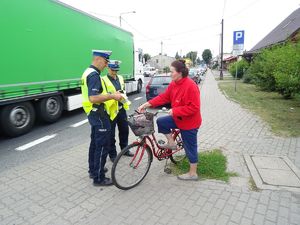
[(79, 123), (137, 98), (36, 142)]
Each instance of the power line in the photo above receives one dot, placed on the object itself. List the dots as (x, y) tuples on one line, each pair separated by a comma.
[(103, 15), (188, 41), (139, 32), (184, 32)]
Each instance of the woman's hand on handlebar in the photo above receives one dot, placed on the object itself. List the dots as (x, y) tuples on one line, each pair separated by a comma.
[(143, 107)]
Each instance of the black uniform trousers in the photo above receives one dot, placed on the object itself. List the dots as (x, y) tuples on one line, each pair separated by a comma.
[(99, 146), (121, 122)]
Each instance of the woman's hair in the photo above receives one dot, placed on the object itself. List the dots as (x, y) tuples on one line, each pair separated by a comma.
[(180, 67)]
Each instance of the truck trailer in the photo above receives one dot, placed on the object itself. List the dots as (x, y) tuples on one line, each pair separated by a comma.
[(45, 47)]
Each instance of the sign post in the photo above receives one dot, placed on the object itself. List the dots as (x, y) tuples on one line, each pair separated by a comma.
[(238, 48)]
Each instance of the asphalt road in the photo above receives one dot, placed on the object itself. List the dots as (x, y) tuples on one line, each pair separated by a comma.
[(54, 138)]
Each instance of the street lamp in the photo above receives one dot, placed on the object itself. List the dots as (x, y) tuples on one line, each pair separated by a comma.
[(120, 17)]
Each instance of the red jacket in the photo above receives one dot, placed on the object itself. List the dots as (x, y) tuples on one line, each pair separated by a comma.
[(184, 96)]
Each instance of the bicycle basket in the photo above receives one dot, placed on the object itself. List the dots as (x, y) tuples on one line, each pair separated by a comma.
[(141, 123)]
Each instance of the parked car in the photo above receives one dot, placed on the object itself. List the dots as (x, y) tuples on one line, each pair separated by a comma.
[(193, 75), (202, 69), (149, 71), (157, 85)]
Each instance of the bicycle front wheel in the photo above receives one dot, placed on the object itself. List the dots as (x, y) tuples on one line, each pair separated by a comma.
[(128, 172)]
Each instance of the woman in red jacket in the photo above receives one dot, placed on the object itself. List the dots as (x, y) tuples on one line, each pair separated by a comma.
[(184, 96)]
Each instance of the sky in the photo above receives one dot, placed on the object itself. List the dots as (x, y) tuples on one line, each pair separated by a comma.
[(192, 25)]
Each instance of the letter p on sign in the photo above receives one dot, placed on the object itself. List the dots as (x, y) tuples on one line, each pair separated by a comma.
[(238, 37)]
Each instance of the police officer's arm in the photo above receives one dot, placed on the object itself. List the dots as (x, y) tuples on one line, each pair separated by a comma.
[(102, 98), (95, 89)]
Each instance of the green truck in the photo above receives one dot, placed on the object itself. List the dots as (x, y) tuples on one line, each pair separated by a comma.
[(45, 47)]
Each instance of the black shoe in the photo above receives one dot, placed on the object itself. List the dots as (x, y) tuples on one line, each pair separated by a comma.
[(129, 154), (92, 176), (105, 182)]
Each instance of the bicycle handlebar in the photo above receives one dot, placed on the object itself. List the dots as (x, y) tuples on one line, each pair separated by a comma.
[(163, 110)]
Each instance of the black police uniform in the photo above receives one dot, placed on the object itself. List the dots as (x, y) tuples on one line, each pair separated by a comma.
[(121, 121), (100, 131)]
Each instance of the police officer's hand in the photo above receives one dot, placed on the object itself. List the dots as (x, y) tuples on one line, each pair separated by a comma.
[(117, 96)]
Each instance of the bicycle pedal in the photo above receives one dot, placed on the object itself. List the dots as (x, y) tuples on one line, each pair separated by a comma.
[(161, 142)]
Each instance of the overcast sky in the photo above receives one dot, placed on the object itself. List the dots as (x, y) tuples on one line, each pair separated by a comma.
[(191, 25)]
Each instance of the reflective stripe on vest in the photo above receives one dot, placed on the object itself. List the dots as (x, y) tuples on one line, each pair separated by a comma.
[(86, 104), (111, 88)]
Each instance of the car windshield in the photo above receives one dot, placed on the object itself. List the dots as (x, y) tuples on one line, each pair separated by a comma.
[(162, 80)]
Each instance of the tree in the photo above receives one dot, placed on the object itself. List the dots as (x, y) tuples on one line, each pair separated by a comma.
[(192, 56), (166, 69), (207, 56), (177, 56), (198, 61), (146, 57)]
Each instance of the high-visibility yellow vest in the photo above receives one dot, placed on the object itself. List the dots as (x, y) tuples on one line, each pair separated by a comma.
[(111, 88), (109, 105)]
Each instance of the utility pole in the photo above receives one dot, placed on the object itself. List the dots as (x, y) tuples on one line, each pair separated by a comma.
[(222, 35), (161, 47)]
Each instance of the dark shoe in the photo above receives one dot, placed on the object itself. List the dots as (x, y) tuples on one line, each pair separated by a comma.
[(129, 154), (92, 176), (105, 182)]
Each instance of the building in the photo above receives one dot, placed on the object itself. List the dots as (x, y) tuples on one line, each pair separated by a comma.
[(228, 60), (288, 29), (160, 61)]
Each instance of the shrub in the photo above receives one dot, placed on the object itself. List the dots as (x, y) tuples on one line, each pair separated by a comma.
[(241, 66), (277, 69)]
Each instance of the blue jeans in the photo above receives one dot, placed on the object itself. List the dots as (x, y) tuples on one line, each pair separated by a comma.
[(189, 137), (99, 146)]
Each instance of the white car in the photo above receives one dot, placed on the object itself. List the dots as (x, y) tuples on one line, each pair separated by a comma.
[(149, 71)]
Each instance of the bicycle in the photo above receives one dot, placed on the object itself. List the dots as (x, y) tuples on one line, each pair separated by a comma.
[(125, 170)]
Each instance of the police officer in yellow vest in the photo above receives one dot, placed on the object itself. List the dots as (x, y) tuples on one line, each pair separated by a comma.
[(115, 83), (97, 103)]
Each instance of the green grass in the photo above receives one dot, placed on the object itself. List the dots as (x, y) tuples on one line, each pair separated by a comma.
[(212, 165), (283, 115)]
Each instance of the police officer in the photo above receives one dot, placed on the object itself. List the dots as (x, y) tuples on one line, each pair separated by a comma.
[(115, 83), (97, 103)]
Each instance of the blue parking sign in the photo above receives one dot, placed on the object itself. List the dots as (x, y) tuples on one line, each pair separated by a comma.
[(238, 37)]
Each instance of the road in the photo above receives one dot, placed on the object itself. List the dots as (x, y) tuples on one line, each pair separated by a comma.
[(72, 129)]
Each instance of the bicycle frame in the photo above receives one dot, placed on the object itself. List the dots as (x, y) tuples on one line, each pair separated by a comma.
[(155, 148)]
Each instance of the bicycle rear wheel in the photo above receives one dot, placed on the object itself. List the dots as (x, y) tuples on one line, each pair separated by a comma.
[(128, 172), (180, 155)]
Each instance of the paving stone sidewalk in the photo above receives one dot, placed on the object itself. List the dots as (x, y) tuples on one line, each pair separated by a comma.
[(57, 190)]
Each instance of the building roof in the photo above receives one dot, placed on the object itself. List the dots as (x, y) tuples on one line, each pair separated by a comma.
[(230, 58), (283, 31), (162, 56)]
